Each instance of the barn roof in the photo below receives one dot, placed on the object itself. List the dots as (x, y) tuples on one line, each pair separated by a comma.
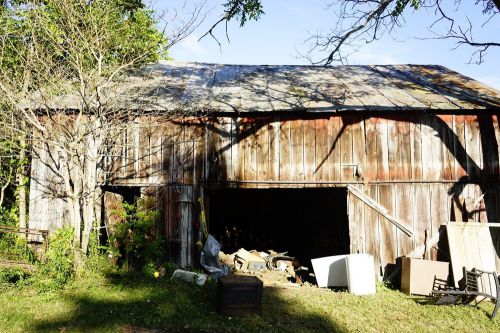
[(265, 88)]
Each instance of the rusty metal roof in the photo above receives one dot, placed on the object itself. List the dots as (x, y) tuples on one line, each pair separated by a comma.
[(264, 88)]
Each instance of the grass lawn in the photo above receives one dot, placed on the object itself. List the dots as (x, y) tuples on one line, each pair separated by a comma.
[(120, 305)]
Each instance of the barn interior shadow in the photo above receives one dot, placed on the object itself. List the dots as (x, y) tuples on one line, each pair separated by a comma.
[(173, 306)]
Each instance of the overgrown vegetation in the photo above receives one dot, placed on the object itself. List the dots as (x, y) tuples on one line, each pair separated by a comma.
[(10, 277), (56, 269), (72, 48), (134, 242), (12, 246)]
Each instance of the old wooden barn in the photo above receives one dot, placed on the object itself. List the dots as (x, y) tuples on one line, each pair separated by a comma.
[(314, 160)]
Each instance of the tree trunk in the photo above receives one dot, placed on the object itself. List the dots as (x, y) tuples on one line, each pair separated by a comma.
[(21, 176), (90, 186)]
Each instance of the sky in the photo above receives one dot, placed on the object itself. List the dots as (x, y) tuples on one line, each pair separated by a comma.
[(277, 38)]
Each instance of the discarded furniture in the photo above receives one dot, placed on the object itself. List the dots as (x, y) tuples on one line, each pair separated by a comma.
[(470, 246), (330, 271), (476, 286), (239, 295), (360, 270), (418, 275), (354, 271)]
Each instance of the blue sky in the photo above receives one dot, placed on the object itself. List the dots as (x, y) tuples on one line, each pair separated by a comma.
[(278, 37)]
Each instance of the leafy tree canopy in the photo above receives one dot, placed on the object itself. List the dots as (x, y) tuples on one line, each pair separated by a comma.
[(126, 28)]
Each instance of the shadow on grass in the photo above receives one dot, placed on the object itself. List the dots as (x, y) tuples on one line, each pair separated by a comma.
[(172, 306)]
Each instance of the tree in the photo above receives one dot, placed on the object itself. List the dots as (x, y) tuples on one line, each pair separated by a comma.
[(58, 50), (360, 22)]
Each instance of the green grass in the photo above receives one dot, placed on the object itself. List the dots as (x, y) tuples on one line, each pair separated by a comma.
[(124, 305)]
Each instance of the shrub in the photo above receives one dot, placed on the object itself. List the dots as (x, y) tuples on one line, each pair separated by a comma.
[(13, 275), (97, 263), (14, 247), (134, 242), (57, 266)]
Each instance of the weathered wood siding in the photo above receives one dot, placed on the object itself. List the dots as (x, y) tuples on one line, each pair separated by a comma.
[(426, 169)]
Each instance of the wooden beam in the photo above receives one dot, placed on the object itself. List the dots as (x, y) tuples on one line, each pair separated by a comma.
[(474, 224), (379, 209)]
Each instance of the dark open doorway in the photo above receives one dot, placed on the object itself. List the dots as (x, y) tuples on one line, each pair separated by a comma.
[(306, 222), (113, 198)]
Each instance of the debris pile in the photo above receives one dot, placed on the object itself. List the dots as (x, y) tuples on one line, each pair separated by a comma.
[(272, 267)]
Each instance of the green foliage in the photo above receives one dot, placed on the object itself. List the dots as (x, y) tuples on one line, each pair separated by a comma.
[(10, 165), (134, 242), (77, 36), (9, 216), (97, 263), (57, 269), (243, 10), (12, 276), (13, 247), (402, 4)]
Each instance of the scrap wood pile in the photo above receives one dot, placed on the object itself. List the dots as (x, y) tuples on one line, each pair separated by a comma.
[(272, 267)]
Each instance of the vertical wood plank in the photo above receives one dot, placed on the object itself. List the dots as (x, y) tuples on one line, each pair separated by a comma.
[(416, 149), (309, 148), (188, 160), (422, 216), (428, 167), (199, 150), (334, 149), (239, 158), (156, 167), (370, 172), (225, 132), (372, 229), (472, 143), (321, 150), (448, 146), (178, 154), (250, 150), (168, 152), (144, 153), (393, 150), (358, 146), (382, 150), (346, 170), (297, 139), (460, 147), (403, 129), (495, 164), (437, 141), (388, 232), (262, 150), (247, 149), (285, 151), (403, 208), (356, 225), (274, 149)]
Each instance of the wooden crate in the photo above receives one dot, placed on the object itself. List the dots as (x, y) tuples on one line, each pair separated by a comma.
[(239, 295)]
